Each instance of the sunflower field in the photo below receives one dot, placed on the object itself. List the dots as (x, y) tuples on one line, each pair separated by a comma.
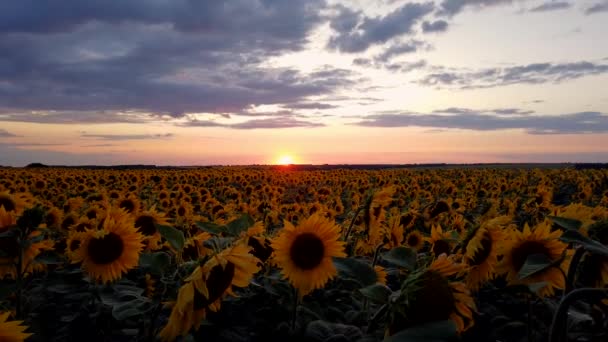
[(271, 254)]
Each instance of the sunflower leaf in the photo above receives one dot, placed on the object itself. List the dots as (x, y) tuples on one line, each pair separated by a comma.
[(402, 257), (572, 236), (377, 293), (211, 227), (49, 258), (356, 269), (156, 262), (239, 225), (431, 332), (173, 235), (130, 309), (534, 264), (567, 223), (6, 289)]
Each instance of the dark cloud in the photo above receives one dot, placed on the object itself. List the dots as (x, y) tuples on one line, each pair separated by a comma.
[(400, 49), (537, 73), (79, 117), (551, 6), (436, 26), (279, 121), (597, 8), (127, 136), (36, 144), (497, 111), (358, 35), (452, 7), (6, 134), (575, 123), (160, 57), (310, 105)]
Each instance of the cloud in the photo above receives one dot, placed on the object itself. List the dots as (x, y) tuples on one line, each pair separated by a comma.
[(574, 123), (310, 105), (551, 6), (277, 122), (436, 26), (356, 33), (99, 145), (536, 73), (154, 57), (116, 137), (5, 134), (452, 7), (597, 8), (400, 49), (497, 111)]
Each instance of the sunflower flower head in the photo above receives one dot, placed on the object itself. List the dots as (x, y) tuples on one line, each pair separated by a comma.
[(304, 253)]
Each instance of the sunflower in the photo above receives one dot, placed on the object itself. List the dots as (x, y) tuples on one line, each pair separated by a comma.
[(482, 252), (73, 243), (146, 222), (429, 295), (540, 240), (593, 270), (304, 253), (380, 274), (111, 251), (441, 242), (15, 202), (12, 331), (414, 240), (206, 286), (130, 203)]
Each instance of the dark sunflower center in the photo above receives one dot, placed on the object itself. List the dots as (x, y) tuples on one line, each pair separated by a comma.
[(146, 225), (307, 251), (7, 203), (440, 247), (406, 219), (128, 205), (50, 219), (440, 207), (481, 254), (413, 240), (181, 211), (106, 249), (190, 252), (9, 247), (67, 222), (74, 245), (520, 253), (81, 227), (218, 282), (260, 251), (434, 301)]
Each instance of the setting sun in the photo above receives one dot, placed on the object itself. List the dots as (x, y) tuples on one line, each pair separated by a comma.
[(285, 160)]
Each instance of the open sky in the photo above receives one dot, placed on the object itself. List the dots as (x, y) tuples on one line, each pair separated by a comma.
[(185, 82)]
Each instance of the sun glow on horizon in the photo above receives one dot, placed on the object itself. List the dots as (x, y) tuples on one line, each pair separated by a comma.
[(285, 159)]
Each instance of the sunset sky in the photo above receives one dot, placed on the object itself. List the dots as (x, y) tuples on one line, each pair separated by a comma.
[(184, 82)]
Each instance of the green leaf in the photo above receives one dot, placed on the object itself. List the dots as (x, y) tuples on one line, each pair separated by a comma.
[(402, 257), (49, 258), (360, 271), (377, 293), (156, 262), (173, 235), (6, 289), (432, 332), (572, 236), (240, 225), (8, 232), (567, 223), (534, 264), (535, 287), (211, 227), (130, 309)]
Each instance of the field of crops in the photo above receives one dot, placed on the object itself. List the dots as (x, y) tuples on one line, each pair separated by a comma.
[(253, 254)]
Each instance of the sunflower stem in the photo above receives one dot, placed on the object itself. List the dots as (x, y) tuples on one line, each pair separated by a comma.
[(294, 316), (576, 259), (19, 280), (559, 326), (352, 223)]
